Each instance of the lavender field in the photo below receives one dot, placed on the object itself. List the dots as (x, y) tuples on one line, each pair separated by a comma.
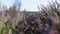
[(44, 21)]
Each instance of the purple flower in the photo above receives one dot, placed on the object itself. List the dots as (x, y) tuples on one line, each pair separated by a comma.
[(54, 20)]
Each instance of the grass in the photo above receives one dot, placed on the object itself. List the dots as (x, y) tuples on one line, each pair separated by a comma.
[(1, 24)]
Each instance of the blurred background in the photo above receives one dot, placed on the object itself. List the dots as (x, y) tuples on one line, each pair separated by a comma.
[(29, 5), (29, 16)]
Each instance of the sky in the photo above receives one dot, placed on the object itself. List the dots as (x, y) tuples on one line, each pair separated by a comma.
[(29, 5)]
